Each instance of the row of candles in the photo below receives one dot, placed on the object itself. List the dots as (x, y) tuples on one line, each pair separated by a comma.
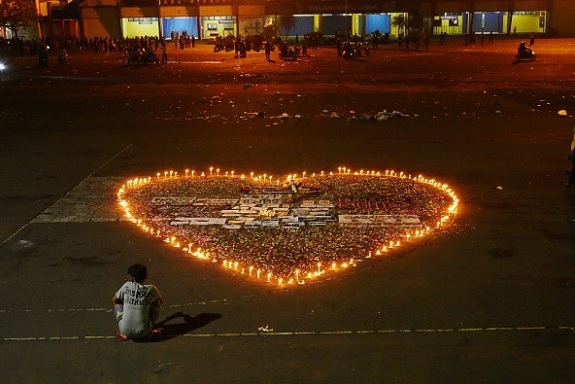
[(291, 177), (299, 277)]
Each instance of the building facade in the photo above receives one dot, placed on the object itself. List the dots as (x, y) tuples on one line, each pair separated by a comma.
[(205, 19)]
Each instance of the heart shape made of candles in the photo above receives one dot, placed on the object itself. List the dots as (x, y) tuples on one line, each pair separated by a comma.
[(291, 229)]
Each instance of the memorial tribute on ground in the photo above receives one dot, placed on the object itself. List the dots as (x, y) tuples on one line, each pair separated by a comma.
[(287, 229)]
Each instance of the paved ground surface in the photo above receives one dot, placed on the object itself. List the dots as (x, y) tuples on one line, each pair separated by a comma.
[(490, 301)]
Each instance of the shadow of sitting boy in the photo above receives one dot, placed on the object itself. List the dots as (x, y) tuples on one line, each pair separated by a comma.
[(170, 328)]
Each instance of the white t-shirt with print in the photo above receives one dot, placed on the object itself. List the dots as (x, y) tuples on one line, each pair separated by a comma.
[(138, 299)]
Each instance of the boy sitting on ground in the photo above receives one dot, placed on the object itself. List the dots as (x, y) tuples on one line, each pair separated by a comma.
[(137, 306)]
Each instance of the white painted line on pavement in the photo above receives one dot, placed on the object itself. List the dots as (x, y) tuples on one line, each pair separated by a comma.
[(310, 333), (28, 310)]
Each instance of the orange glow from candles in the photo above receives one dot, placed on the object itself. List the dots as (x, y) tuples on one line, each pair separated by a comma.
[(407, 235)]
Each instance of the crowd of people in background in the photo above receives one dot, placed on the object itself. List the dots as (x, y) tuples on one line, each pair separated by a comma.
[(256, 42), (152, 49), (95, 45), (137, 49), (183, 40)]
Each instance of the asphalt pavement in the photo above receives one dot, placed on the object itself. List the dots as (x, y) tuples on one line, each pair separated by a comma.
[(490, 300)]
